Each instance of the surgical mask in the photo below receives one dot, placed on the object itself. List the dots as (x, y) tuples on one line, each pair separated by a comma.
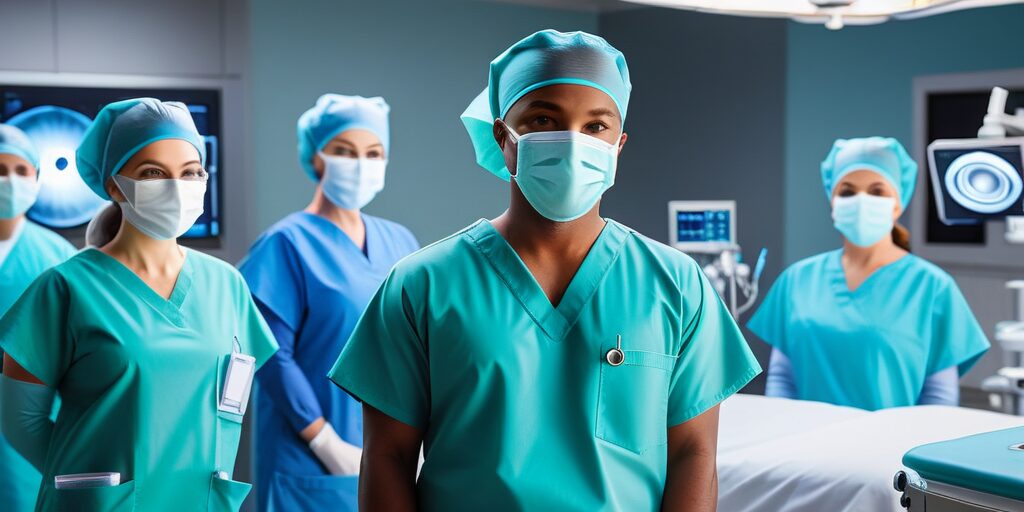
[(351, 183), (162, 209), (563, 174), (863, 219), (17, 195)]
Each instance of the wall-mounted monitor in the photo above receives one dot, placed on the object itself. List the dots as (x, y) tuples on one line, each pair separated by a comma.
[(56, 118)]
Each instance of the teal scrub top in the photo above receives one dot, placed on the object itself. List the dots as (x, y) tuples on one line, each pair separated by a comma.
[(519, 407), (35, 250), (874, 347), (139, 378)]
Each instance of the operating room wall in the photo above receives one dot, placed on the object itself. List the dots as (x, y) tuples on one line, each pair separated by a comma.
[(427, 59), (705, 121), (859, 81)]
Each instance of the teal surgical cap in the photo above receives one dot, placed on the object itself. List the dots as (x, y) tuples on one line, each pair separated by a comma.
[(13, 141), (883, 155), (545, 58), (123, 128), (335, 113)]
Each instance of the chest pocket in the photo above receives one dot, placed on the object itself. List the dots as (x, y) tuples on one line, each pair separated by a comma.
[(632, 402)]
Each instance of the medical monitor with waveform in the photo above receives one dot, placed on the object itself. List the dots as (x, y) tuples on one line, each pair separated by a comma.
[(702, 226), (56, 118)]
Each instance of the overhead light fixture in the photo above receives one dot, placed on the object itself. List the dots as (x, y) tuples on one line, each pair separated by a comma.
[(834, 14)]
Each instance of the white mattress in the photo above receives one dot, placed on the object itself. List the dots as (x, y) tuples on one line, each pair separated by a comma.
[(779, 455)]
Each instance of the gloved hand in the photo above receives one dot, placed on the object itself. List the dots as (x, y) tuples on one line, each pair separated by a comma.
[(339, 457)]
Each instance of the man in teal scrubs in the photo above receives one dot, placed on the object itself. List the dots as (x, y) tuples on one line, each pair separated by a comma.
[(549, 359), (26, 250)]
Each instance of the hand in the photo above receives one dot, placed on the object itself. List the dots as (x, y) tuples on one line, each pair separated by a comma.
[(339, 457)]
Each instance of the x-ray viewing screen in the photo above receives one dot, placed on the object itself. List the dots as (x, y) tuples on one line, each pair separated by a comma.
[(56, 118)]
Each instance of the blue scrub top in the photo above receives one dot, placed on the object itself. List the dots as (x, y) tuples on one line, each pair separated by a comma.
[(312, 284), (873, 347)]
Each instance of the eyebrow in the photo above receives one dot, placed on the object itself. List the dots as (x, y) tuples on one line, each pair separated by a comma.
[(161, 165), (353, 146), (604, 112), (545, 105)]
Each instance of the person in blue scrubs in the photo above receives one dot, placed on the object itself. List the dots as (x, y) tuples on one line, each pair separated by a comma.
[(26, 250), (549, 359), (869, 325), (311, 275)]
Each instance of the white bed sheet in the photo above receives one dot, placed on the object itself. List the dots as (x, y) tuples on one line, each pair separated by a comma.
[(778, 455)]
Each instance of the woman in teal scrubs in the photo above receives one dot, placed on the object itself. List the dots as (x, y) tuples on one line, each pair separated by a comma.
[(26, 250), (137, 336), (548, 359), (868, 325)]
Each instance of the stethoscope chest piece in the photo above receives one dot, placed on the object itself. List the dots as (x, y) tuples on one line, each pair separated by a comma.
[(616, 356)]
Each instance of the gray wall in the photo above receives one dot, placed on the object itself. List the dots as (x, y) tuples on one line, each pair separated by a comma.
[(427, 59), (705, 122)]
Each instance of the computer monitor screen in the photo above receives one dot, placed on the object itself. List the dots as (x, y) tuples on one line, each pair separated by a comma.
[(702, 226), (56, 118)]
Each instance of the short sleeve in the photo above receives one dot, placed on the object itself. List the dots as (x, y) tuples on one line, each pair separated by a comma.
[(769, 321), (957, 337), (714, 362), (34, 331), (384, 363), (255, 337), (274, 275)]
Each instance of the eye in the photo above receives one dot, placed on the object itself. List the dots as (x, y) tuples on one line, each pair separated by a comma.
[(344, 151), (596, 127), (878, 190), (374, 154), (195, 174), (543, 122), (150, 173), (21, 170), (3, 170)]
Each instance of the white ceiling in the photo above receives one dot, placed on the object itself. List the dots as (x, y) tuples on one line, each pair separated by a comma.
[(574, 5)]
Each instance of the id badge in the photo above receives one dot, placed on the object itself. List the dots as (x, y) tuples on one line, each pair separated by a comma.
[(237, 384)]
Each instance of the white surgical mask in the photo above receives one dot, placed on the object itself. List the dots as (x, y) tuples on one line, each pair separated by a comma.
[(162, 209), (17, 195), (863, 219), (351, 183)]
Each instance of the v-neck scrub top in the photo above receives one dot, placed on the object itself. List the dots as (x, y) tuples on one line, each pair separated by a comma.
[(139, 378), (33, 249), (519, 406), (312, 282), (873, 347)]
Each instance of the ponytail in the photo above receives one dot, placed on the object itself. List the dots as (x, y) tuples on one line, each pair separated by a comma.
[(104, 227), (901, 237)]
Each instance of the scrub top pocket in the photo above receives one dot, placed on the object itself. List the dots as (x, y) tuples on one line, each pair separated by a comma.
[(118, 498), (325, 492), (227, 495), (632, 403)]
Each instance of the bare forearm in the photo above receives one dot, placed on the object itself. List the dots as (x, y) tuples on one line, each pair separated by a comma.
[(387, 482), (691, 485)]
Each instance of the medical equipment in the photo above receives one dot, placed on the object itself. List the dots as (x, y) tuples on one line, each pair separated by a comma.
[(1007, 386), (87, 480), (975, 180), (980, 472), (834, 14), (706, 230)]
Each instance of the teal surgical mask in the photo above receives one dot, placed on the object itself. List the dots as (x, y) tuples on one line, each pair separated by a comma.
[(863, 219), (17, 195), (563, 174)]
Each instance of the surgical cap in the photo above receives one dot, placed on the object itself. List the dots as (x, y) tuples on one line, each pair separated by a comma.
[(335, 113), (123, 128), (882, 155), (545, 58), (13, 141)]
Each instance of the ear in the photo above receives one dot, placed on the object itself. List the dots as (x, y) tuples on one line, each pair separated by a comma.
[(318, 166), (622, 141), (897, 211), (114, 191), (500, 133)]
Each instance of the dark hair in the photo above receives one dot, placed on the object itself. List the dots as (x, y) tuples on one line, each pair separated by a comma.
[(110, 224), (901, 237)]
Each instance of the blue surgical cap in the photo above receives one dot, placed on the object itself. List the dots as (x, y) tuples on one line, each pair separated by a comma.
[(335, 113), (883, 155), (545, 58), (123, 128), (13, 141)]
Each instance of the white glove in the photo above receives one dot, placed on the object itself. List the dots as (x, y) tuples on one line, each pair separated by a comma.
[(339, 457)]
